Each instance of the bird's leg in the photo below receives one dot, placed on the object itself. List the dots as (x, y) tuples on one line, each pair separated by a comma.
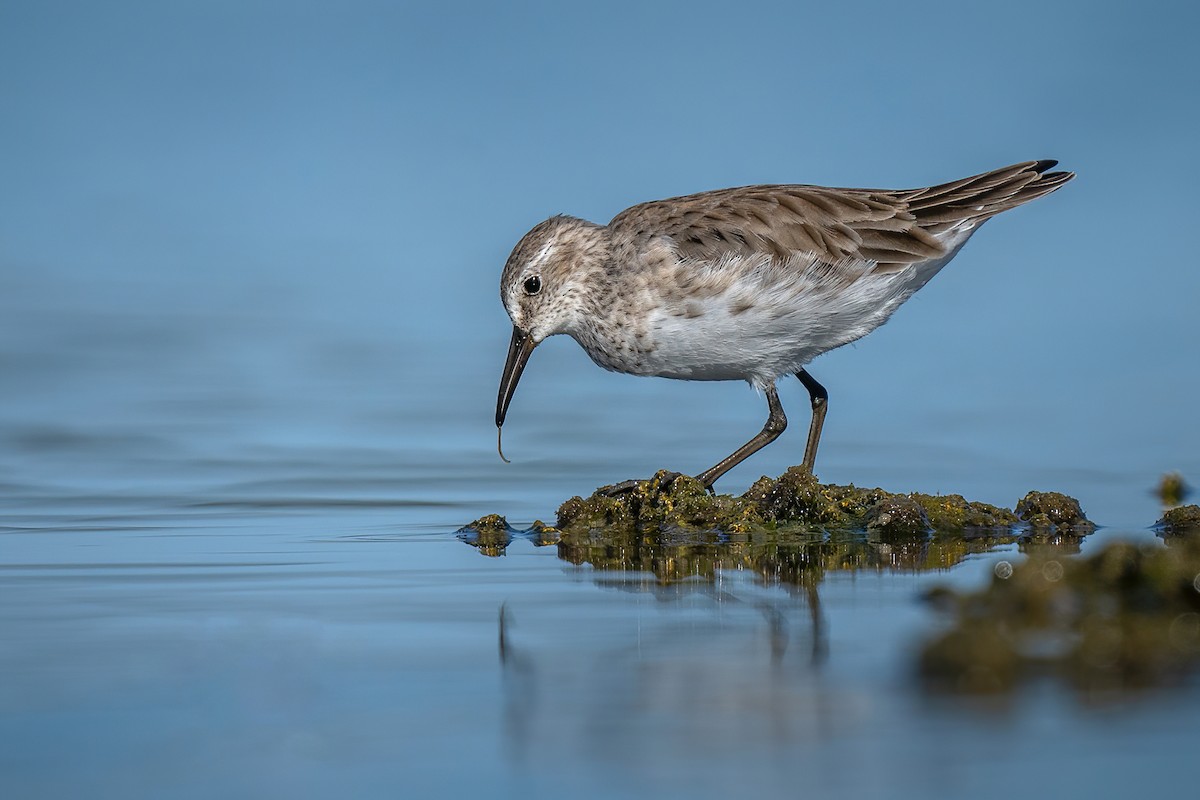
[(776, 423), (820, 404)]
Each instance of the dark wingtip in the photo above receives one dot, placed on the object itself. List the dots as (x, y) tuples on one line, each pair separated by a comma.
[(1054, 178), (1049, 180)]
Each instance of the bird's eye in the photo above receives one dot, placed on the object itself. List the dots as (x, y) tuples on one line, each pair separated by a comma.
[(533, 284)]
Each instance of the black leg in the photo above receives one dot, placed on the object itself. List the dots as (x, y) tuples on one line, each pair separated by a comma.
[(820, 404), (776, 423)]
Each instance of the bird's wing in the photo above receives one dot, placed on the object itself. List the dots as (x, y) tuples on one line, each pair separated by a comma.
[(891, 229)]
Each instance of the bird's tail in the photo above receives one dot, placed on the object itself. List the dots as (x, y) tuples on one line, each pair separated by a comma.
[(981, 197)]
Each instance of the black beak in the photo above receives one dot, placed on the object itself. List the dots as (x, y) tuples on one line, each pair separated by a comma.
[(518, 353)]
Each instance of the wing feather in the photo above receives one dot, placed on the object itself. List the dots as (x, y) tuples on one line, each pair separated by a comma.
[(891, 228)]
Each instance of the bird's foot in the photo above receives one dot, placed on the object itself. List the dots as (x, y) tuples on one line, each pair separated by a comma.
[(664, 478)]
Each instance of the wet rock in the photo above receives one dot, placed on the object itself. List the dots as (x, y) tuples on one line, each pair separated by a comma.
[(953, 512), (797, 496), (542, 534), (490, 534), (898, 516), (1181, 521), (1053, 511), (488, 523), (670, 501), (664, 502)]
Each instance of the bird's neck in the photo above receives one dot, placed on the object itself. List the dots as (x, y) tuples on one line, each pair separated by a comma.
[(607, 325)]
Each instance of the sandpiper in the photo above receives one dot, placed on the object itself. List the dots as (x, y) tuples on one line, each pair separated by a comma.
[(750, 283)]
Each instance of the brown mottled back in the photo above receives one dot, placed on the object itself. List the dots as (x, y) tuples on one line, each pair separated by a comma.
[(893, 228)]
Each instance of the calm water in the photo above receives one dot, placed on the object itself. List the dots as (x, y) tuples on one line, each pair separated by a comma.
[(249, 349), (229, 567)]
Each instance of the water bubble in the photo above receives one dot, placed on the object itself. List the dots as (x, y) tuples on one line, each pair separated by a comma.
[(1004, 570), (1052, 571)]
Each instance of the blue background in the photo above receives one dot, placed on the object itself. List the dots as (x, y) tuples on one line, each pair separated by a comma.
[(290, 218), (250, 342)]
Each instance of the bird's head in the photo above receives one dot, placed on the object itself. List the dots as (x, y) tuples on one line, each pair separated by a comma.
[(548, 287)]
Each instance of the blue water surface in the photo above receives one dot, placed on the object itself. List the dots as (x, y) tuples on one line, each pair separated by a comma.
[(249, 351)]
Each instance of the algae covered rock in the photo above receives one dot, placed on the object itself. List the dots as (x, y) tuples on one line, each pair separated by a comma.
[(954, 512), (490, 534), (899, 516), (670, 501), (667, 501), (1126, 617), (664, 502), (1053, 511), (542, 534), (1181, 521), (797, 496), (488, 523)]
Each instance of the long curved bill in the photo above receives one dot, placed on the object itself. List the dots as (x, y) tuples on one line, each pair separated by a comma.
[(518, 354)]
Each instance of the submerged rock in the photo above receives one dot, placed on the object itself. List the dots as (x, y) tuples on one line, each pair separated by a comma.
[(490, 534), (488, 523)]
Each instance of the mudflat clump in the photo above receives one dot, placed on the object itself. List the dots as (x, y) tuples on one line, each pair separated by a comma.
[(667, 502), (898, 515), (1181, 521), (953, 512), (491, 534), (1053, 511), (488, 523), (1126, 617)]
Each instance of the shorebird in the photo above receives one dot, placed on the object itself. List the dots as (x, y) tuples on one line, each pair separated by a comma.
[(749, 283)]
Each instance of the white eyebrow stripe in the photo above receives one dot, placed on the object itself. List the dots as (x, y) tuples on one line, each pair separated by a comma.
[(542, 255)]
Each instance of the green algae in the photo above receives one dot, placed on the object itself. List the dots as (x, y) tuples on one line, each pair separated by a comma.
[(1052, 511), (954, 512), (666, 502)]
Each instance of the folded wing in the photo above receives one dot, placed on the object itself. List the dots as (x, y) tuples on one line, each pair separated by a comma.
[(890, 229)]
